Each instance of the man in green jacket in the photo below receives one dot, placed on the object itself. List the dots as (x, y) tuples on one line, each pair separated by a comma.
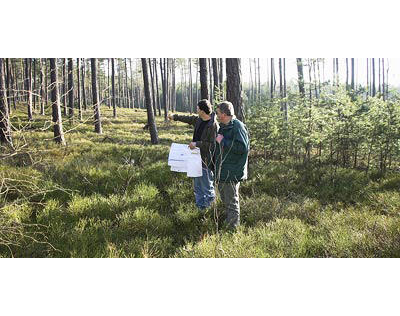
[(231, 160), (205, 132)]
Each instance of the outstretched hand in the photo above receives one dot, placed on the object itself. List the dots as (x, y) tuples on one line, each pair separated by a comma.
[(192, 145)]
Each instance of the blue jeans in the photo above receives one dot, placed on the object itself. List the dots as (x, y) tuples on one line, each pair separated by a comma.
[(204, 191)]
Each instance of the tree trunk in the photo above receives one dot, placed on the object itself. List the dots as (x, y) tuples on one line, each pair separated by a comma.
[(158, 91), (34, 84), (221, 77), (64, 91), (78, 86), (164, 87), (300, 76), (128, 101), (150, 116), (373, 78), (113, 101), (259, 81), (352, 75), (272, 78), (210, 82), (132, 93), (28, 86), (383, 79), (234, 86), (96, 104), (83, 73), (215, 74), (152, 88), (42, 87), (70, 88), (56, 108), (191, 105), (5, 128), (203, 79)]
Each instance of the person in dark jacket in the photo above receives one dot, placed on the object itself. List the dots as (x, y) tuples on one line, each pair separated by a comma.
[(205, 132), (231, 160)]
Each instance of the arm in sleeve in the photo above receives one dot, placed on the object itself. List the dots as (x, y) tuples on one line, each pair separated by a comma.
[(189, 119)]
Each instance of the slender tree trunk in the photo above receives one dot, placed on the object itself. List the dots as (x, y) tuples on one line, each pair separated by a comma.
[(347, 74), (42, 87), (113, 101), (83, 73), (64, 91), (383, 79), (259, 81), (96, 103), (272, 78), (251, 88), (78, 87), (128, 101), (152, 88), (11, 84), (5, 128), (300, 77), (150, 116), (284, 89), (56, 107), (352, 75), (34, 84), (379, 75), (191, 105), (28, 86), (164, 86), (132, 89), (221, 77), (7, 74), (197, 82), (280, 79), (337, 71), (158, 91), (173, 98), (210, 81), (368, 90), (373, 78), (215, 74), (70, 88)]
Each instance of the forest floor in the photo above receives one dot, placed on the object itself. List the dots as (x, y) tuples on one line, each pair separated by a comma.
[(113, 195)]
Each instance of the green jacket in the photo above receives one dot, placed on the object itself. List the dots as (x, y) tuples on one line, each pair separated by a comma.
[(207, 144), (232, 153)]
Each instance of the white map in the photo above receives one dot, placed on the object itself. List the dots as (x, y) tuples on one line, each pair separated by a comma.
[(183, 159)]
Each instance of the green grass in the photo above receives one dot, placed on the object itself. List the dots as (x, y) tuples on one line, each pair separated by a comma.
[(113, 195)]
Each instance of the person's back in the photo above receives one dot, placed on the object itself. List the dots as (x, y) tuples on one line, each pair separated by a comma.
[(232, 153)]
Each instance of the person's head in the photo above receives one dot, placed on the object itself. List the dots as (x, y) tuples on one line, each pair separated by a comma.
[(225, 112), (204, 108)]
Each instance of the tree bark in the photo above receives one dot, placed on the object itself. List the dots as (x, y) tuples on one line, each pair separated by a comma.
[(113, 102), (95, 93), (203, 79), (150, 116), (234, 86), (78, 86), (56, 107), (70, 88), (215, 74), (28, 86), (300, 76), (158, 91), (373, 78), (5, 128)]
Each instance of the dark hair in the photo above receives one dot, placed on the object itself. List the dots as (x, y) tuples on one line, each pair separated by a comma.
[(205, 106)]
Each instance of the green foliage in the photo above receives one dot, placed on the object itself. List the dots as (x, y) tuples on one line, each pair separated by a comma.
[(335, 128), (113, 195)]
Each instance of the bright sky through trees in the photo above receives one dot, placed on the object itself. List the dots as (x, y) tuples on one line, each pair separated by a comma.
[(326, 73)]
